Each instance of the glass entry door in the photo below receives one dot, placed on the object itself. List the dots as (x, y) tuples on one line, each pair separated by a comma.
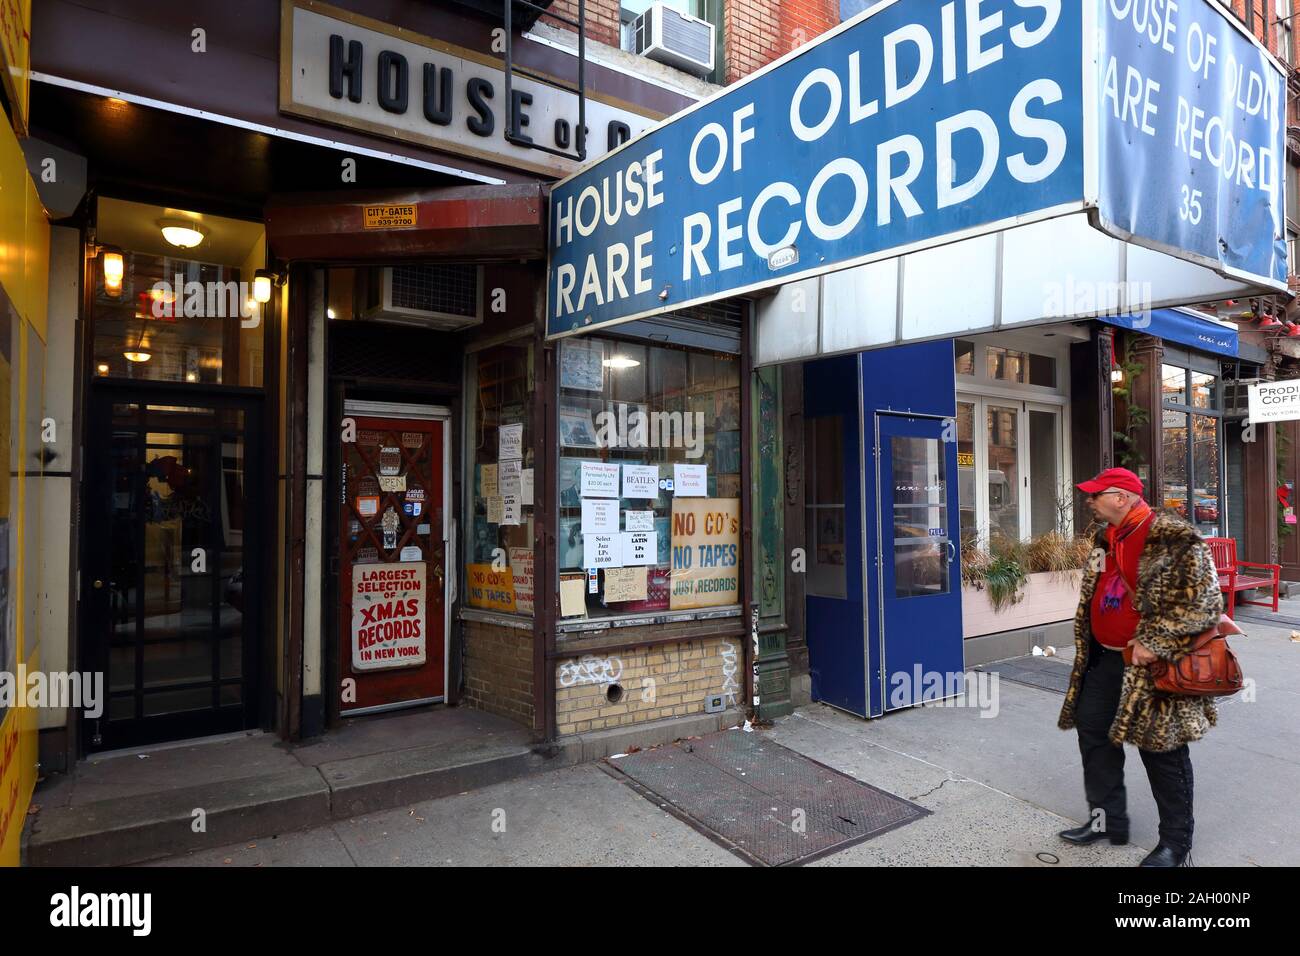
[(920, 589), (171, 574)]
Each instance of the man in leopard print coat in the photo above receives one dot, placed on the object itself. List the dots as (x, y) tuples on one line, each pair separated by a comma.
[(1152, 583)]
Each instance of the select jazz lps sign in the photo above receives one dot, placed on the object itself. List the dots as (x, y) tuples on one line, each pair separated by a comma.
[(917, 124), (342, 68)]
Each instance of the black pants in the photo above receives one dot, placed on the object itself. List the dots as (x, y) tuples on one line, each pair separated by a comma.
[(1170, 773)]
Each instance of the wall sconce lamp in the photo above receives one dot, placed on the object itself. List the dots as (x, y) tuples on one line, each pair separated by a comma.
[(114, 267), (263, 283)]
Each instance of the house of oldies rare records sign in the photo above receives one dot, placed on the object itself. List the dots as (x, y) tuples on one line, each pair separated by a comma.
[(916, 124), (343, 68)]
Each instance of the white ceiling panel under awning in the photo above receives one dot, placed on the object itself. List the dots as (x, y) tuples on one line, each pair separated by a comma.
[(1036, 274)]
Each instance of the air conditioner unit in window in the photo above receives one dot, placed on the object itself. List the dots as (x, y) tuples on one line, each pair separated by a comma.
[(675, 39), (443, 297)]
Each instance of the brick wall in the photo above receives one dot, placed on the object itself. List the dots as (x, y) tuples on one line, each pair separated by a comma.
[(756, 32), (667, 680), (602, 19), (498, 666)]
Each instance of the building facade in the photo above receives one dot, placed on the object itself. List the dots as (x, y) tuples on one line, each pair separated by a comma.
[(283, 296)]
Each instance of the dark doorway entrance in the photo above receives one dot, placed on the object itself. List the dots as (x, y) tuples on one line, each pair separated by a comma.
[(172, 577)]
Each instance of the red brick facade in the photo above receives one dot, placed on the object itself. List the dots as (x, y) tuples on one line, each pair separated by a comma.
[(756, 32), (602, 18)]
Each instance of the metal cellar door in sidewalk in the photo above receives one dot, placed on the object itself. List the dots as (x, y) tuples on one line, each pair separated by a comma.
[(172, 579), (920, 587), (393, 549)]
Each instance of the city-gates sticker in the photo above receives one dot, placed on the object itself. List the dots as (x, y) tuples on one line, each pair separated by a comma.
[(705, 552), (494, 590), (388, 615), (389, 217)]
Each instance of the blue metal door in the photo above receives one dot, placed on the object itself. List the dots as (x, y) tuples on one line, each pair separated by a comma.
[(920, 630)]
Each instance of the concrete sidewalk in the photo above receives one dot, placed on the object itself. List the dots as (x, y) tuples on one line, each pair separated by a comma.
[(999, 789), (151, 803)]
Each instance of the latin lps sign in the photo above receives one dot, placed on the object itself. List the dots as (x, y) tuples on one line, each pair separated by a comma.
[(343, 68)]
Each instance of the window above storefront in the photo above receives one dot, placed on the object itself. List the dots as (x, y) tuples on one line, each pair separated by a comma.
[(175, 296)]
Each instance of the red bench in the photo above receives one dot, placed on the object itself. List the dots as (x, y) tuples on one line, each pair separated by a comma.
[(1231, 578)]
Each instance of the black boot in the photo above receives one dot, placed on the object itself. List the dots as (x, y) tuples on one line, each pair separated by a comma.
[(1082, 836), (1166, 854)]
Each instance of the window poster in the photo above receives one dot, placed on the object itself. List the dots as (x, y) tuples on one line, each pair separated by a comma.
[(705, 552), (638, 521), (602, 551), (510, 477), (388, 615), (625, 584), (510, 442), (490, 589), (577, 429), (640, 481), (521, 572), (581, 365), (599, 516), (599, 479), (690, 481)]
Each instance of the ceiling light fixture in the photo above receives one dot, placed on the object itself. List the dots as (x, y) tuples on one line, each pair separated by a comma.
[(620, 362), (140, 356), (182, 233)]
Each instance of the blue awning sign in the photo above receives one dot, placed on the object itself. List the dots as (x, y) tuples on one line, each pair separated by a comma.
[(915, 125), (1185, 328)]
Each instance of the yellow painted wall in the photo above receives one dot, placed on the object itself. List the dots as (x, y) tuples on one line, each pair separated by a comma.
[(24, 277)]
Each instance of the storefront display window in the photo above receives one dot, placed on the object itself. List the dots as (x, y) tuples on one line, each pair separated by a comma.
[(1012, 452), (499, 480), (1192, 447), (648, 480)]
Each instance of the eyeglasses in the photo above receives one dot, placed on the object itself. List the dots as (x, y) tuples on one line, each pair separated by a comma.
[(1098, 494)]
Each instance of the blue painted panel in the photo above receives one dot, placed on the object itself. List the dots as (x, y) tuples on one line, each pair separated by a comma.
[(923, 653), (834, 626), (917, 378)]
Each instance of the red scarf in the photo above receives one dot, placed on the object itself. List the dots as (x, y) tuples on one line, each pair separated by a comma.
[(1113, 617)]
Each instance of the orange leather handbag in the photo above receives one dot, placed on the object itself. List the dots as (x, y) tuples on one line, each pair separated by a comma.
[(1208, 669)]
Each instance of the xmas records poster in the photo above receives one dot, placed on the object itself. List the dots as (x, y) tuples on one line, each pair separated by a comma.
[(388, 615)]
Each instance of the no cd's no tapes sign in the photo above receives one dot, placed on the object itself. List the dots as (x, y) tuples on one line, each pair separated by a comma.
[(1275, 401)]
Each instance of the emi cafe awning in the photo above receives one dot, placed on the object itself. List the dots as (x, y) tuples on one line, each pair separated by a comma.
[(933, 169)]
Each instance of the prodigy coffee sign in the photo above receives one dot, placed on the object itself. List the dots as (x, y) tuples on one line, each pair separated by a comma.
[(342, 68)]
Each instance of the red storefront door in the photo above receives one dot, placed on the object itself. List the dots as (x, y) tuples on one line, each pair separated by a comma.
[(392, 555)]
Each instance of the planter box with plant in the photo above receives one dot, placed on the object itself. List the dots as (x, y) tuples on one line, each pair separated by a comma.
[(1017, 584)]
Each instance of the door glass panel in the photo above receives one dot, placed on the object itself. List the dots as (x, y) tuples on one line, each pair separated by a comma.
[(1173, 384), (966, 470), (1044, 478), (824, 514), (1173, 482), (1203, 390), (1205, 470), (919, 489), (1004, 472), (176, 599)]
